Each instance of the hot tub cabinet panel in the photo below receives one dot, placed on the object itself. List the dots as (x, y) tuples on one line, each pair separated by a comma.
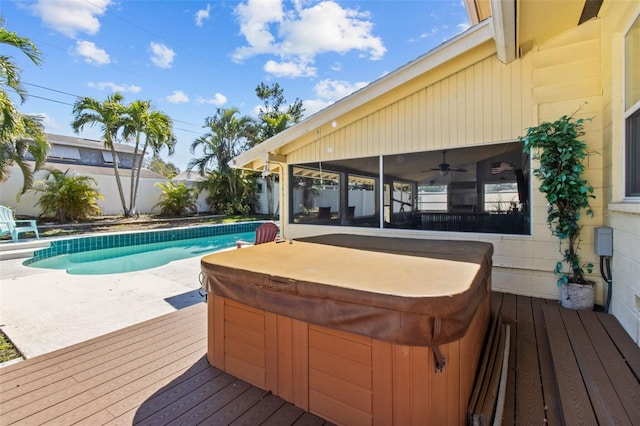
[(343, 377), (346, 375)]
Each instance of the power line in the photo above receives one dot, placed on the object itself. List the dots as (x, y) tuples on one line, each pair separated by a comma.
[(186, 130), (185, 122), (53, 90), (78, 96), (49, 99)]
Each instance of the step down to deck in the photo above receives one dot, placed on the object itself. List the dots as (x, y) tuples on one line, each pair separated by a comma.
[(21, 250), (596, 366)]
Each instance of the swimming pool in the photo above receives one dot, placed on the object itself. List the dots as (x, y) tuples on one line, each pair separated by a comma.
[(137, 251)]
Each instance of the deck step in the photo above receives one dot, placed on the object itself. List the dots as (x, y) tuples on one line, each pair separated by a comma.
[(21, 249), (595, 378)]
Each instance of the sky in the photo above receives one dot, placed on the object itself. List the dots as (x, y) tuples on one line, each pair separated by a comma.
[(190, 57)]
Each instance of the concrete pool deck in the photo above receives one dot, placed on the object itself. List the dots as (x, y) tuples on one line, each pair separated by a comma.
[(42, 310)]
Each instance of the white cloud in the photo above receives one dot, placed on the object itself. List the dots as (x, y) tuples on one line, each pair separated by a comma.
[(91, 53), (328, 92), (202, 14), (49, 122), (255, 17), (114, 87), (430, 34), (218, 100), (335, 89), (464, 26), (161, 55), (312, 106), (178, 97), (328, 27), (298, 35), (71, 16), (289, 69)]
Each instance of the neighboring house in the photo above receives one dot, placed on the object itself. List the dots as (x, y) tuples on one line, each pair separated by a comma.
[(431, 150), (90, 158)]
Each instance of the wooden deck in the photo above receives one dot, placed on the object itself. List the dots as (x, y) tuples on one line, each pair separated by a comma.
[(568, 367), (156, 373)]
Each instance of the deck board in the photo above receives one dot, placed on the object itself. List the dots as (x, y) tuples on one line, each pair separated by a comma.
[(547, 378), (626, 385), (530, 403), (606, 405), (623, 342), (156, 372), (576, 408), (509, 317)]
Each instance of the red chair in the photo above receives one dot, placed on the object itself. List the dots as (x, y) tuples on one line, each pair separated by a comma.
[(265, 233)]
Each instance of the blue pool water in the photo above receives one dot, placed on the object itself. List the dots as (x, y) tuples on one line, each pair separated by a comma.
[(114, 254)]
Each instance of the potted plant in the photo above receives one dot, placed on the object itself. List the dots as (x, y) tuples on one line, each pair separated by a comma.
[(561, 155)]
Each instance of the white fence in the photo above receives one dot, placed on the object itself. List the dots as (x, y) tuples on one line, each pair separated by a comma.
[(148, 194)]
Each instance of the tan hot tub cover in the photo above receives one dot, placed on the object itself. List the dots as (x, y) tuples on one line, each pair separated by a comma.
[(404, 291)]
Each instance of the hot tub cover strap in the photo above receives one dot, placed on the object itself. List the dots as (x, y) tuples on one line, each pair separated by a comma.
[(439, 359)]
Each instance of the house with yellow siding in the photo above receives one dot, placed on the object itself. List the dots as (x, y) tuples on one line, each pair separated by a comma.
[(431, 150)]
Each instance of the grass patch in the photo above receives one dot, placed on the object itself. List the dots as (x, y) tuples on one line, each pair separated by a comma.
[(7, 350)]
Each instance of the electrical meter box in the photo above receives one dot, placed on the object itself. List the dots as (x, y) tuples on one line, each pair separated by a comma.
[(603, 241)]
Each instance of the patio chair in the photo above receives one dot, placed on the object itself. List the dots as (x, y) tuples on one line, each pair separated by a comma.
[(9, 225), (324, 213), (265, 233)]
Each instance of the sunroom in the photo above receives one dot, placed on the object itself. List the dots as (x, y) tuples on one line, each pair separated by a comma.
[(475, 189)]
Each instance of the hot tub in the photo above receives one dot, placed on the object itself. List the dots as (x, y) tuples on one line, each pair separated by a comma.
[(355, 329)]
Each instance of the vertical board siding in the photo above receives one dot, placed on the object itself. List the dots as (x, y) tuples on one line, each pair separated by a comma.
[(244, 342), (478, 105), (300, 369), (284, 356), (340, 381)]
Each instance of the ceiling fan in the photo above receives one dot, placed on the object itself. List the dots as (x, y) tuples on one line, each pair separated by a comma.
[(444, 168)]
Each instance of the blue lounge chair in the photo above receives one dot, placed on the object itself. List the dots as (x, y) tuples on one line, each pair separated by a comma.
[(9, 225)]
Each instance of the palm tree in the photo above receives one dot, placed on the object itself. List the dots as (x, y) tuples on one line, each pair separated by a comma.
[(227, 137), (229, 193), (110, 116), (157, 129), (19, 133), (272, 120)]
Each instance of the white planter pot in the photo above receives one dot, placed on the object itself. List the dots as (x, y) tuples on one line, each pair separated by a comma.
[(577, 296)]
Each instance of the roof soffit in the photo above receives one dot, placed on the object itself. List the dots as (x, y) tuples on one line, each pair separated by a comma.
[(540, 20), (477, 10)]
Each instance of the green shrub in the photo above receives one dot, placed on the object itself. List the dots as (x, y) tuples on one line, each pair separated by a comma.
[(176, 200), (67, 197)]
